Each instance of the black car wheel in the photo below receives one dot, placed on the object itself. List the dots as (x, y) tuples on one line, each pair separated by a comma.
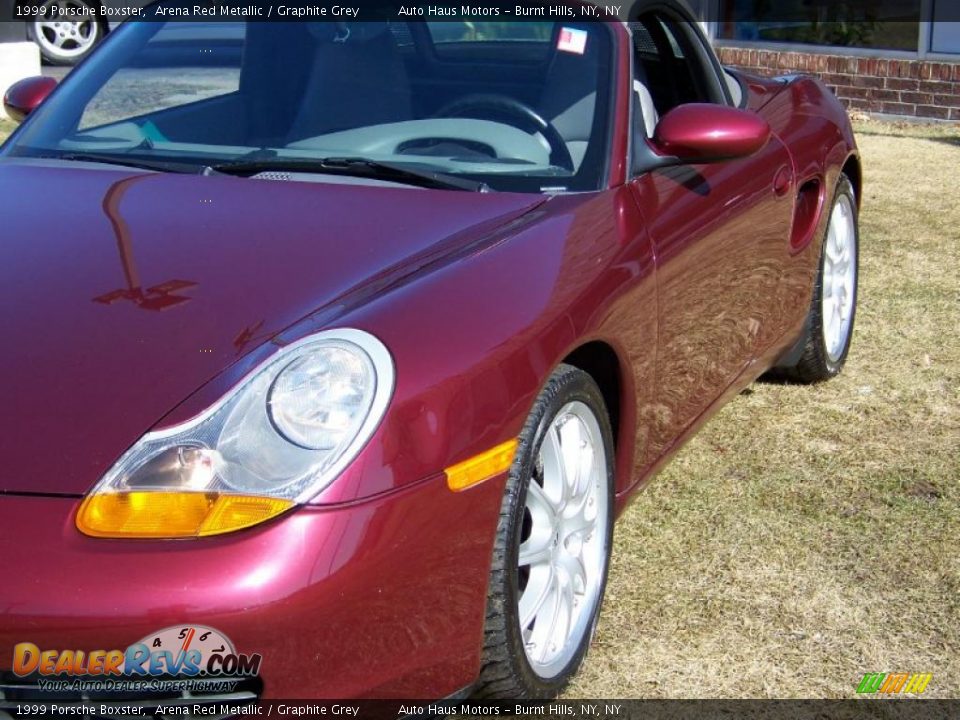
[(829, 326), (553, 543)]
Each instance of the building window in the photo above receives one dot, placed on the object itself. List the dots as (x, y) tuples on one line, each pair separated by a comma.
[(878, 24), (946, 27)]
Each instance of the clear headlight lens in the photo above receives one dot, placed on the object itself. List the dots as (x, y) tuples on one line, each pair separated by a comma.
[(317, 401), (283, 434)]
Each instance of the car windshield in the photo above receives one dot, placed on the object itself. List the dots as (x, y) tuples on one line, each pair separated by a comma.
[(514, 106)]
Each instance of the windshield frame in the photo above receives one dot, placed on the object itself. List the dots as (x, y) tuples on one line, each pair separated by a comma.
[(71, 98)]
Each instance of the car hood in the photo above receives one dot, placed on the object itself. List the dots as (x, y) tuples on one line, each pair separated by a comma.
[(122, 293)]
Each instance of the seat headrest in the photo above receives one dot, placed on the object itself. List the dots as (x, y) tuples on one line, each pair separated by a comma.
[(346, 32)]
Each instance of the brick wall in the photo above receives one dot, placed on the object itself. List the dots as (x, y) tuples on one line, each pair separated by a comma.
[(914, 88)]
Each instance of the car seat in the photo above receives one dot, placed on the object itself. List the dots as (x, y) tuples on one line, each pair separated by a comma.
[(357, 78)]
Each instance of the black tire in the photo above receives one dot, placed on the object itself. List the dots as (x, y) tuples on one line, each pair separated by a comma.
[(506, 672), (76, 48), (815, 363)]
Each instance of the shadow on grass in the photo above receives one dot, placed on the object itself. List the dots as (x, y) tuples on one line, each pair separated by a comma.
[(779, 377), (955, 141), (940, 137)]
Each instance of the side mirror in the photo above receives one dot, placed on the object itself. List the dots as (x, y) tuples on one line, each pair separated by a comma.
[(23, 97), (702, 133)]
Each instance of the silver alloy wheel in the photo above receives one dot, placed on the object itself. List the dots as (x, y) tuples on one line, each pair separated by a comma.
[(839, 278), (563, 549), (61, 36)]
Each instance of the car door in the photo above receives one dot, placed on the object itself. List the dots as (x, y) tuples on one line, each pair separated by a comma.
[(720, 235)]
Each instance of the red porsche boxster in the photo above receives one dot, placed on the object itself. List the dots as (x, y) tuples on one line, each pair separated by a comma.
[(333, 349)]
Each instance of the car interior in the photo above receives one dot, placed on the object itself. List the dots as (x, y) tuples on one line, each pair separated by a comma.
[(393, 89), (398, 72), (475, 104)]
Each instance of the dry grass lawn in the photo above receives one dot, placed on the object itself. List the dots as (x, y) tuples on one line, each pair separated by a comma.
[(6, 127), (810, 534)]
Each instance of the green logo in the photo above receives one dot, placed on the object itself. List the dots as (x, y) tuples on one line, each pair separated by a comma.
[(893, 683)]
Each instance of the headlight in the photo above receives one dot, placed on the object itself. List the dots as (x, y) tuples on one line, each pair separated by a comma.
[(277, 439)]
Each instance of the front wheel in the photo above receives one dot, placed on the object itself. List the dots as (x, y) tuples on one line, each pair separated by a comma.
[(553, 544), (829, 327)]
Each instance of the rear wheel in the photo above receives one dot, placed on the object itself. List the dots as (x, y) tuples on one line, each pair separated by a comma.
[(553, 543), (829, 327)]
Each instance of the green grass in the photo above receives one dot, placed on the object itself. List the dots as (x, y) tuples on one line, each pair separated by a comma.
[(6, 127), (810, 534)]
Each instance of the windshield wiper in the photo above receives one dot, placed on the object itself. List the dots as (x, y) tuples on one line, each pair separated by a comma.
[(354, 166), (141, 164)]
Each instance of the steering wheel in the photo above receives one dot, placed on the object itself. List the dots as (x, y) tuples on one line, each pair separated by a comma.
[(506, 105)]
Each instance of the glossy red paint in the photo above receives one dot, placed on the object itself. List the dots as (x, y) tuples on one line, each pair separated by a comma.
[(619, 162), (703, 133), (173, 278), (379, 599), (179, 285), (25, 96)]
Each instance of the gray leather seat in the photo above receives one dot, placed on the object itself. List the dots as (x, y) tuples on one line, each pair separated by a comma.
[(643, 44), (357, 78), (569, 98), (645, 99)]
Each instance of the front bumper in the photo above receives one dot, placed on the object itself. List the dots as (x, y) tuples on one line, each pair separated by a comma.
[(379, 598)]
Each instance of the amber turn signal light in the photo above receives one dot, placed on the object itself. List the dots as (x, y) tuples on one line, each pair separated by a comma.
[(481, 467), (173, 514)]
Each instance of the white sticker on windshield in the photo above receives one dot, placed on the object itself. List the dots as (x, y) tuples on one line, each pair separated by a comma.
[(572, 40)]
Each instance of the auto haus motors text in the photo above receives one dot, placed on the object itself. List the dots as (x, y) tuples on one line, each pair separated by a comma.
[(136, 660)]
